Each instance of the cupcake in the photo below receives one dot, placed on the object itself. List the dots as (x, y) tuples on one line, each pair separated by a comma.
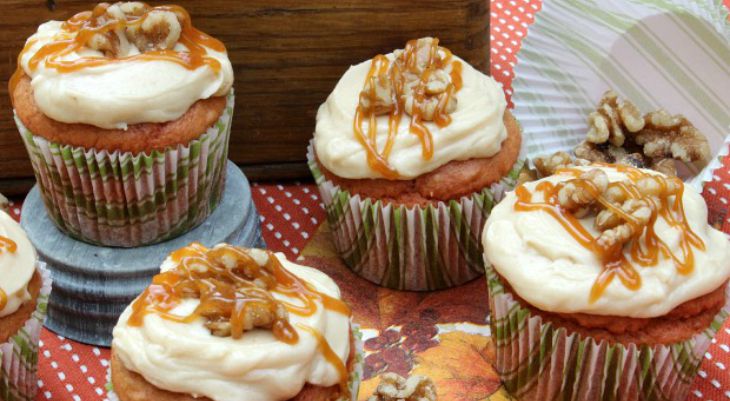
[(606, 282), (125, 111), (228, 323), (411, 150), (24, 289)]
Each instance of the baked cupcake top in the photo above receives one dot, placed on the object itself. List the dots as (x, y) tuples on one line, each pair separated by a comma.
[(606, 240), (17, 265), (404, 114), (228, 321), (122, 64)]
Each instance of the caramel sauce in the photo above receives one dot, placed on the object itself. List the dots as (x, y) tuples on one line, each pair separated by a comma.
[(380, 65), (6, 244), (85, 25), (644, 248), (331, 357), (226, 293)]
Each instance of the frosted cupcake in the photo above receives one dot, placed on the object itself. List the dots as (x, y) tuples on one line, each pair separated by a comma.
[(410, 152), (125, 111), (24, 290), (227, 324), (605, 283)]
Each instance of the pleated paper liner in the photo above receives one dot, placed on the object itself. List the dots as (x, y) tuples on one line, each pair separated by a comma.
[(538, 361), (125, 199), (418, 248), (19, 356), (353, 384), (669, 54)]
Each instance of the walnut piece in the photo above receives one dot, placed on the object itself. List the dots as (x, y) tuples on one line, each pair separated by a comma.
[(618, 133), (640, 211), (159, 30), (577, 195), (393, 387), (674, 137), (133, 23), (416, 78), (549, 165)]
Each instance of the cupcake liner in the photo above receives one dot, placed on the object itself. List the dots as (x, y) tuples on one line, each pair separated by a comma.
[(538, 361), (126, 199), (419, 248), (353, 384), (659, 54), (19, 356)]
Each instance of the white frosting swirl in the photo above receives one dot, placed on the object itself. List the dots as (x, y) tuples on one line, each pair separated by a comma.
[(186, 358), (550, 270), (16, 268), (476, 130), (119, 94)]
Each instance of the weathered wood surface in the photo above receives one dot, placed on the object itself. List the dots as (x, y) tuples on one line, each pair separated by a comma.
[(92, 285), (287, 55)]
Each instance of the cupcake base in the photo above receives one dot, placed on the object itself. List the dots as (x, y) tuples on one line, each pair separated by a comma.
[(19, 354), (127, 199), (418, 248), (538, 361)]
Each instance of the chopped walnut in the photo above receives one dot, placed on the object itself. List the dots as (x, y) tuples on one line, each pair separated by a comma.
[(612, 119), (378, 95), (159, 30), (640, 211), (578, 195), (618, 133), (4, 203), (417, 79), (548, 165), (393, 387), (148, 29), (673, 136)]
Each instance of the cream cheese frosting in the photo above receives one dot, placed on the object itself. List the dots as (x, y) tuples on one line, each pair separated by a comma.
[(16, 266), (549, 269), (116, 95), (476, 130), (186, 358)]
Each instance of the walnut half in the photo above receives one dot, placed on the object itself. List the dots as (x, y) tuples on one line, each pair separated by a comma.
[(393, 387), (618, 133)]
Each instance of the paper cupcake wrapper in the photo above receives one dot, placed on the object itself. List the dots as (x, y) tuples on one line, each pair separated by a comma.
[(662, 53), (126, 199), (538, 361), (353, 384), (420, 248), (19, 356)]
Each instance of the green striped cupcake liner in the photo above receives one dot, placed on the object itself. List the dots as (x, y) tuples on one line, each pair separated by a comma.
[(538, 361), (422, 248), (353, 384), (19, 356), (129, 199)]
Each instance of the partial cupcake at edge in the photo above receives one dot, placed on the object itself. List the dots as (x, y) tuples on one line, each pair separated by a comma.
[(606, 282), (24, 289), (125, 111), (411, 150), (229, 323)]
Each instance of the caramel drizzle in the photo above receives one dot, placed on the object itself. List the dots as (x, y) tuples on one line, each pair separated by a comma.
[(220, 293), (380, 64), (6, 244), (85, 26), (644, 248)]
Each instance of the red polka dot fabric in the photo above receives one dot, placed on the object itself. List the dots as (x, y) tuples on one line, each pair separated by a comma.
[(291, 213)]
